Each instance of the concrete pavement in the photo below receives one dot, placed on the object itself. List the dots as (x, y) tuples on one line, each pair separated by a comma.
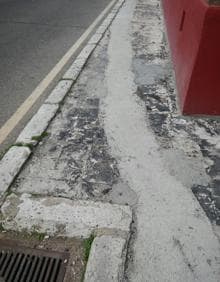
[(120, 139), (173, 240)]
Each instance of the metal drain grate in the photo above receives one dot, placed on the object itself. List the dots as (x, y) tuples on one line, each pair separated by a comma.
[(20, 264)]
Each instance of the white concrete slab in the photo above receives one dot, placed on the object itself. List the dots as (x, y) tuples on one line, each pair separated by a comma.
[(106, 260), (63, 217), (11, 164)]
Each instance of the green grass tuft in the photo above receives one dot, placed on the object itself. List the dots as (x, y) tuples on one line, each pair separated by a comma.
[(87, 243), (40, 137), (37, 235)]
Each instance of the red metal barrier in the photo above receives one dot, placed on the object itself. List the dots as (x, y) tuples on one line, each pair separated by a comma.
[(193, 28)]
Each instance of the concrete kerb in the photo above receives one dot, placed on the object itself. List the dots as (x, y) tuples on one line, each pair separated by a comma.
[(106, 259), (87, 51), (102, 29), (75, 69), (57, 96), (59, 92), (10, 166), (38, 124), (95, 39)]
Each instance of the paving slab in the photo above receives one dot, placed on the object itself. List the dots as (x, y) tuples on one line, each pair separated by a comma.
[(11, 164), (106, 260), (63, 217)]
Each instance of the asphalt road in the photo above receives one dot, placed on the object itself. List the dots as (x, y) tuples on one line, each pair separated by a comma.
[(34, 35)]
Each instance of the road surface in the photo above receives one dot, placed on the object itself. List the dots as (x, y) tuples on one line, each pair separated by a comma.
[(34, 35)]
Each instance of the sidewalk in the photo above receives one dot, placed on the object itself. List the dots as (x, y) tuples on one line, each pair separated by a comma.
[(119, 144)]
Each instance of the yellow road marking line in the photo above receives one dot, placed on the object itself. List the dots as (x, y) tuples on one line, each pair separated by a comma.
[(12, 122)]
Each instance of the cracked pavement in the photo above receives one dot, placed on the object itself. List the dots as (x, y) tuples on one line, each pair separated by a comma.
[(120, 138)]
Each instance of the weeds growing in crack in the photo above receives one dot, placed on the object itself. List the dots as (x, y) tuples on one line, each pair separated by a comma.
[(87, 244), (87, 247), (40, 137)]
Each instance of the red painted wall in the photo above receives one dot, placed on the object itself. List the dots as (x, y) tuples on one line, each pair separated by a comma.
[(194, 34)]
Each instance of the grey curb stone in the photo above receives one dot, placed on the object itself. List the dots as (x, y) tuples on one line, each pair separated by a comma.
[(11, 164), (59, 92), (95, 39), (119, 3), (87, 51), (75, 69), (106, 260), (102, 29), (38, 124), (64, 217), (108, 20)]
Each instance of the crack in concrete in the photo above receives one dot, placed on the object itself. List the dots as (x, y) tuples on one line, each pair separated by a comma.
[(180, 246)]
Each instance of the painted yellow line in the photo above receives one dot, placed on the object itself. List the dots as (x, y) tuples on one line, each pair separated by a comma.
[(12, 122)]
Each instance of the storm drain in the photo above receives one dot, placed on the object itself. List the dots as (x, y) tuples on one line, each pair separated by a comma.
[(20, 264)]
